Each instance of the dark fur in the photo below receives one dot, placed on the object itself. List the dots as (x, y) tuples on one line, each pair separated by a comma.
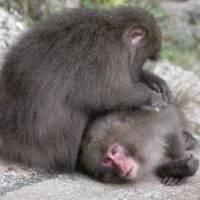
[(63, 71)]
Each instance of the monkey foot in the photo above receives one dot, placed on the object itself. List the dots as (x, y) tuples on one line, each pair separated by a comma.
[(189, 165), (174, 172), (171, 181)]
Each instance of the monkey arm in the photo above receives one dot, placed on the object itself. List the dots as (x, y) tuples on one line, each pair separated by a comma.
[(158, 84), (137, 94), (145, 96)]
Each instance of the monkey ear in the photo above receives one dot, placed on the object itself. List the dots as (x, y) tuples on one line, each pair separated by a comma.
[(136, 35)]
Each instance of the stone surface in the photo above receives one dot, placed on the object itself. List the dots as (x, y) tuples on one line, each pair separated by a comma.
[(13, 176), (185, 86), (44, 186), (11, 27)]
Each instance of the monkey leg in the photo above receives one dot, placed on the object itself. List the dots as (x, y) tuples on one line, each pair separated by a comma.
[(175, 172)]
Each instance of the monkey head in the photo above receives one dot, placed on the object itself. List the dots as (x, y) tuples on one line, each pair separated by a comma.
[(110, 156), (117, 165), (141, 34)]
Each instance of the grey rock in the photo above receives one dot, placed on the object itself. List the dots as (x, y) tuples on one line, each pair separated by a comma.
[(11, 27), (80, 187), (185, 86)]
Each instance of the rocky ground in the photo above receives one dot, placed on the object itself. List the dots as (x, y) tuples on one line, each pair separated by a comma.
[(185, 86), (19, 183)]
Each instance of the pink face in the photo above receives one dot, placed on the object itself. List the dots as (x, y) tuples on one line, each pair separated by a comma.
[(124, 166)]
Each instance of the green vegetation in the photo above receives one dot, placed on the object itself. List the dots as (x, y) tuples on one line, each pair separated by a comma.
[(33, 10), (181, 56), (102, 3), (182, 49)]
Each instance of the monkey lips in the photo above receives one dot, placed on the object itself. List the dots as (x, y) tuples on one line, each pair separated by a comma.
[(122, 165)]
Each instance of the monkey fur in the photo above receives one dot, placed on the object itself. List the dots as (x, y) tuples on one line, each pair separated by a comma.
[(66, 69), (123, 146)]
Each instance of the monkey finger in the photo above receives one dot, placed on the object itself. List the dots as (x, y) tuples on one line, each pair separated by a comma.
[(176, 181), (170, 181), (163, 91), (167, 95), (156, 88), (165, 180)]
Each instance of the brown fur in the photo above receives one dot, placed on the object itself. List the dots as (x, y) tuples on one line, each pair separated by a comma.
[(153, 140), (65, 70)]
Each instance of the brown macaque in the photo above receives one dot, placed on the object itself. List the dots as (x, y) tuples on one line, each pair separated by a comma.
[(123, 146), (67, 69)]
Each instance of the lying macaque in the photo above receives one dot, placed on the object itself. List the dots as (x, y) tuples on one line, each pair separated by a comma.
[(122, 146)]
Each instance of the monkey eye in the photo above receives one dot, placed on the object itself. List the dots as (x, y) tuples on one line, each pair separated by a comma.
[(114, 151), (136, 35)]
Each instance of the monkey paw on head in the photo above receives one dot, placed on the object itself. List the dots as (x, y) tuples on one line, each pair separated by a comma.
[(156, 103), (158, 85), (163, 95)]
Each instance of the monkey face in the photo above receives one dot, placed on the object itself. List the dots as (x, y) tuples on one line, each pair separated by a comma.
[(117, 165)]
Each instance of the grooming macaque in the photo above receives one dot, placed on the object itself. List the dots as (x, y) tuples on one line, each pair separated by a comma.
[(123, 146), (68, 68)]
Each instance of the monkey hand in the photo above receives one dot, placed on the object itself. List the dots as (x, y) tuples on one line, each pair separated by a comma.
[(156, 103), (175, 172), (158, 84)]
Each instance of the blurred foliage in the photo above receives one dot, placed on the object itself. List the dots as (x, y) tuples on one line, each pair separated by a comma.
[(178, 44), (102, 3), (33, 10)]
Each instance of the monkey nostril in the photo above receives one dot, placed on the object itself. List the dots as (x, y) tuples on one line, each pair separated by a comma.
[(106, 160)]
